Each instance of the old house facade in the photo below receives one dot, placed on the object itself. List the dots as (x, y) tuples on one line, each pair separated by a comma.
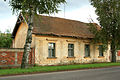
[(59, 41)]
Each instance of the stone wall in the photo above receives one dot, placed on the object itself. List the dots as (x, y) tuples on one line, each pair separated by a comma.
[(13, 57)]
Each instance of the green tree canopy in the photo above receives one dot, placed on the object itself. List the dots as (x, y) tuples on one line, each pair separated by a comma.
[(40, 6), (108, 12), (5, 39)]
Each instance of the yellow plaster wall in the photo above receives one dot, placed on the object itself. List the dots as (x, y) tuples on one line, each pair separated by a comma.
[(61, 43), (20, 37)]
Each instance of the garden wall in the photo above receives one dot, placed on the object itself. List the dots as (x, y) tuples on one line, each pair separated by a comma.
[(13, 57), (118, 56)]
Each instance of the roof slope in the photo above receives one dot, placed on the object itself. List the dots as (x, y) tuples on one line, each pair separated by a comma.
[(46, 25), (61, 27)]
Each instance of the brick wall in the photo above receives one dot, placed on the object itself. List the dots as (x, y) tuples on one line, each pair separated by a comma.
[(13, 57), (118, 56)]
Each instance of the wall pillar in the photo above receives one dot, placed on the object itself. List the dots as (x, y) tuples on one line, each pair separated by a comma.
[(16, 59)]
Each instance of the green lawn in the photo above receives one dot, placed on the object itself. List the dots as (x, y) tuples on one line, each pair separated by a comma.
[(54, 68)]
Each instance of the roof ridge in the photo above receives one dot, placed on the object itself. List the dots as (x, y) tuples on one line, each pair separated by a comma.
[(62, 18)]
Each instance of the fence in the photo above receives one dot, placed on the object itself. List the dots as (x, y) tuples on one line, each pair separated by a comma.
[(13, 57)]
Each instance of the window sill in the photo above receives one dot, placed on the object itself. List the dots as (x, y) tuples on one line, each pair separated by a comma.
[(71, 57), (101, 56), (51, 57), (87, 57)]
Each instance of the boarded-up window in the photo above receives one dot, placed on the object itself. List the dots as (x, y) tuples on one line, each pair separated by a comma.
[(87, 50), (70, 50), (51, 49)]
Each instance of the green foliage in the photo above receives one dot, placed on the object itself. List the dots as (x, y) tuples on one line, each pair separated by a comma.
[(39, 6), (5, 39), (98, 39), (108, 12)]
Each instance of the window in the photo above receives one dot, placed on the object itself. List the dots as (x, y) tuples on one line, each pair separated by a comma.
[(100, 50), (87, 50), (70, 50), (51, 49)]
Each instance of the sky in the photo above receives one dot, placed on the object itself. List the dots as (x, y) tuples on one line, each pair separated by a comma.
[(79, 10)]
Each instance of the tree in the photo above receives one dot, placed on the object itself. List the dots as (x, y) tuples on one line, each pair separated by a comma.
[(5, 39), (32, 7), (108, 12)]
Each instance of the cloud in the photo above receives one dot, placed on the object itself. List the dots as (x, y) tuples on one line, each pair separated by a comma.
[(74, 4), (78, 10), (7, 23), (7, 20), (4, 7), (84, 14)]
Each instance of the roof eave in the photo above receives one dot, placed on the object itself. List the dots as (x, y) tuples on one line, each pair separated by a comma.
[(78, 37), (20, 19)]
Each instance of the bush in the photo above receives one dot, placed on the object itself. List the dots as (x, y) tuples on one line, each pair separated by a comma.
[(5, 39)]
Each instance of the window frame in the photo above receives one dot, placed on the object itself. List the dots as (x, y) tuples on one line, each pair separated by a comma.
[(87, 54), (52, 52), (101, 53), (71, 50)]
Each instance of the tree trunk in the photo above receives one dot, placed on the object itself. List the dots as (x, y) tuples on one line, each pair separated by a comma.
[(27, 46), (113, 51)]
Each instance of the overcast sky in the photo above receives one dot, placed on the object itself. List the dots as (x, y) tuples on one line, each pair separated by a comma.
[(80, 10)]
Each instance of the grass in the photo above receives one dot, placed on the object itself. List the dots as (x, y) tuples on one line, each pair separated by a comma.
[(54, 68)]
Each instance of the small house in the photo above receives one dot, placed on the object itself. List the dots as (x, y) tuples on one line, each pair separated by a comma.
[(59, 41)]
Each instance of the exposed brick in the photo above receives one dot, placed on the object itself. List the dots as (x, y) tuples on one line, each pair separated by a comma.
[(8, 57)]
